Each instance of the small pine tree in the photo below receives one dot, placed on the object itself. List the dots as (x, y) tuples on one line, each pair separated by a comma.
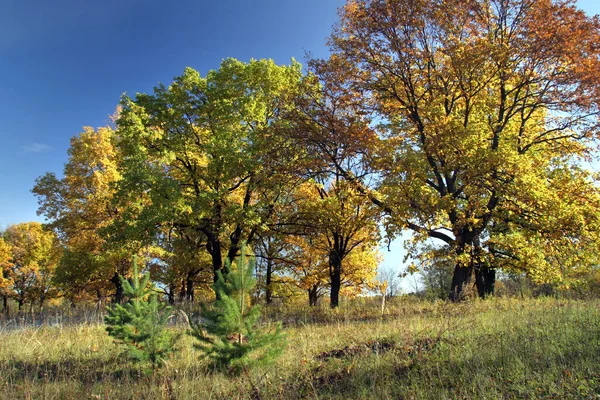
[(141, 323), (228, 334)]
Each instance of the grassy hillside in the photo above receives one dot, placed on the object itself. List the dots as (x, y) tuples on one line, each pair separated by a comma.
[(492, 349)]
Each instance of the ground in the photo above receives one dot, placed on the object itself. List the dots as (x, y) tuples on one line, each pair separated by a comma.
[(492, 349)]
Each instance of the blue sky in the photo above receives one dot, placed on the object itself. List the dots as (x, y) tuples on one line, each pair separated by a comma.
[(64, 64)]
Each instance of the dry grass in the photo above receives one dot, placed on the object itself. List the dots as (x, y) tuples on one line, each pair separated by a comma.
[(493, 349)]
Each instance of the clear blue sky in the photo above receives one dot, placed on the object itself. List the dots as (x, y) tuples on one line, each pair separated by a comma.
[(64, 64)]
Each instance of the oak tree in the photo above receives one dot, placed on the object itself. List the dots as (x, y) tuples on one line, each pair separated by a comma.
[(484, 111), (79, 206), (34, 255), (203, 154)]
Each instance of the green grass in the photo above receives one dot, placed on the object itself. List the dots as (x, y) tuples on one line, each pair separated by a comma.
[(493, 349)]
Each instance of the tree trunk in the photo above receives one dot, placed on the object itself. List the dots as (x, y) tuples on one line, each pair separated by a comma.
[(5, 305), (20, 302), (313, 296), (335, 274), (189, 288), (171, 294), (269, 277), (463, 273), (485, 279), (213, 246), (182, 291), (116, 280), (460, 279)]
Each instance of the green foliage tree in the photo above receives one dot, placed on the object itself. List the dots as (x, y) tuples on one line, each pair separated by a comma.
[(141, 323), (229, 334), (204, 155)]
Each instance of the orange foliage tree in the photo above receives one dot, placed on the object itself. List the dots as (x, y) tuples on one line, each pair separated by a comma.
[(483, 112)]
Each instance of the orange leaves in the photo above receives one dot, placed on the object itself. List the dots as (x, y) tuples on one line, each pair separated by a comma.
[(481, 106)]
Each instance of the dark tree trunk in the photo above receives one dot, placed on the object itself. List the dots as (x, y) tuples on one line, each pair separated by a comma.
[(20, 302), (485, 279), (313, 297), (460, 279), (182, 291), (171, 294), (213, 246), (116, 280), (268, 280), (335, 274), (463, 273), (5, 305), (189, 288)]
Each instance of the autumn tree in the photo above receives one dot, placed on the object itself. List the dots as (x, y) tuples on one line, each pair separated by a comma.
[(5, 281), (483, 112), (341, 222), (308, 266), (79, 206), (204, 154), (34, 255), (180, 263), (271, 249)]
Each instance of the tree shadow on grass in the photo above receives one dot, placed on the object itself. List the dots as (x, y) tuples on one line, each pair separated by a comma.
[(85, 371), (429, 372)]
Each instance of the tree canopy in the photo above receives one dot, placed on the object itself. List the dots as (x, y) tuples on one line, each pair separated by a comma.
[(467, 123), (484, 111)]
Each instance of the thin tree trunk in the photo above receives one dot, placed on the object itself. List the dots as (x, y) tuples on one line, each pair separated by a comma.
[(335, 274), (312, 296), (189, 291), (182, 291), (171, 294), (116, 280), (268, 289), (5, 305)]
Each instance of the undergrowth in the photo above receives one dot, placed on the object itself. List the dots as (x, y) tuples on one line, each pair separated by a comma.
[(498, 348)]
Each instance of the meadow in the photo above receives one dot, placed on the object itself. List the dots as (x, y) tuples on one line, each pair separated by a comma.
[(492, 349)]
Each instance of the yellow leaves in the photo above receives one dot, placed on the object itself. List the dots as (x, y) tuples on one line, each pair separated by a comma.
[(34, 253), (5, 264), (412, 269)]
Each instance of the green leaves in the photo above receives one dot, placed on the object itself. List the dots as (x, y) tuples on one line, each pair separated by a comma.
[(205, 154)]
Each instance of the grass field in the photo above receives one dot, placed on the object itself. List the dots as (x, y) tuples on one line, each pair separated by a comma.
[(493, 349)]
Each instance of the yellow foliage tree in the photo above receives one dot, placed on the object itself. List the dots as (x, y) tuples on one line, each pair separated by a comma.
[(343, 228), (35, 253), (79, 207), (483, 112), (5, 281)]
